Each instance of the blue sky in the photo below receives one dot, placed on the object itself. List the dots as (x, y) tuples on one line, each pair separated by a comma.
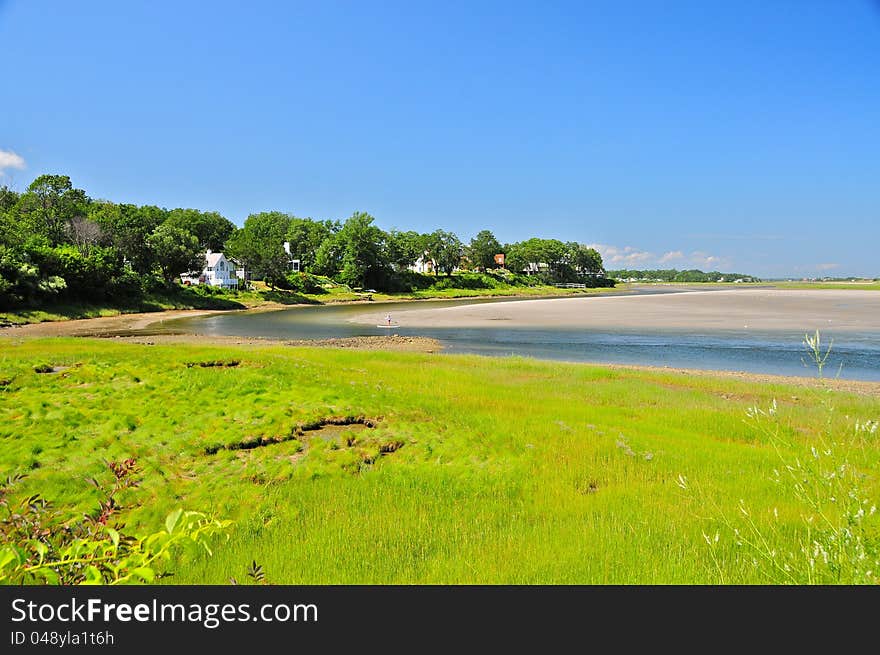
[(735, 135)]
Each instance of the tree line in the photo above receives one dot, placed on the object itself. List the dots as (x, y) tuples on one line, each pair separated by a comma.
[(57, 243), (674, 275), (358, 253)]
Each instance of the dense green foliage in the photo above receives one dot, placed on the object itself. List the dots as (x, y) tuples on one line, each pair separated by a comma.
[(482, 249), (210, 228), (558, 261), (605, 475), (674, 275), (259, 246), (356, 254), (176, 251), (58, 246), (445, 249)]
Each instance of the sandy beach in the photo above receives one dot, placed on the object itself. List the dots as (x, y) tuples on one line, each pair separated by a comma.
[(99, 327), (116, 327), (728, 309)]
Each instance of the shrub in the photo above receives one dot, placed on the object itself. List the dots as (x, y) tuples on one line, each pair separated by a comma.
[(462, 281), (153, 284), (86, 276), (304, 283), (407, 280), (40, 546), (22, 281), (126, 286)]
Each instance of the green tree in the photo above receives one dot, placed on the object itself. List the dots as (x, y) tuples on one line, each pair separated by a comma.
[(357, 255), (306, 236), (585, 260), (550, 255), (259, 247), (10, 232), (445, 249), (49, 205), (555, 254), (210, 228), (8, 198), (516, 257), (482, 250), (328, 258), (405, 248), (129, 228), (176, 251)]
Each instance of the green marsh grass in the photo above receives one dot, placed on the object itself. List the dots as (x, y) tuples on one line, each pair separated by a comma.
[(509, 470), (840, 286)]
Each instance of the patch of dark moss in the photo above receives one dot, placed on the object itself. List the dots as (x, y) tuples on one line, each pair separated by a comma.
[(46, 368), (298, 431), (211, 363)]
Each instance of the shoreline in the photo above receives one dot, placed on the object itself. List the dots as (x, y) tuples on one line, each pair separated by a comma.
[(393, 342), (321, 300), (103, 326), (645, 306), (139, 320), (427, 345)]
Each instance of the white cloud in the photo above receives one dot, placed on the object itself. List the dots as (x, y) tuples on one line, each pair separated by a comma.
[(671, 256), (627, 255), (707, 262), (636, 258), (9, 159)]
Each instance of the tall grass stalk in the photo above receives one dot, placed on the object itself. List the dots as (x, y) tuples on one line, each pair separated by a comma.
[(836, 539)]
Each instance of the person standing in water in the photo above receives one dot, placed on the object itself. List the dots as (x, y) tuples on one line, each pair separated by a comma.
[(388, 319)]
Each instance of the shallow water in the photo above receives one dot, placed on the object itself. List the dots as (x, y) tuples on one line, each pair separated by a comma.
[(853, 356)]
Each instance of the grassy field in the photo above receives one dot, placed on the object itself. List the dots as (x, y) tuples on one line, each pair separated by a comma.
[(862, 286), (475, 470)]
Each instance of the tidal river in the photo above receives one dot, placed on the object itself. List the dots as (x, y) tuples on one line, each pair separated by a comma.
[(754, 330)]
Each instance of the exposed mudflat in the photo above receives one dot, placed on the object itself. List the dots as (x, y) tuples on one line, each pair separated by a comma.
[(728, 309)]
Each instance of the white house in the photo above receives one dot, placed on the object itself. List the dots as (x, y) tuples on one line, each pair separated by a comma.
[(536, 267), (424, 264), (216, 272), (295, 264)]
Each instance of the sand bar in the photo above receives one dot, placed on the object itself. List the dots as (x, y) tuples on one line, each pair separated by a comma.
[(101, 326), (728, 309)]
